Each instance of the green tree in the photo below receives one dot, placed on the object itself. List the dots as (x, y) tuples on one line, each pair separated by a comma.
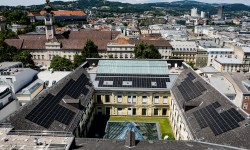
[(24, 20), (191, 64), (25, 57), (61, 63), (7, 52), (145, 51), (78, 60), (90, 50)]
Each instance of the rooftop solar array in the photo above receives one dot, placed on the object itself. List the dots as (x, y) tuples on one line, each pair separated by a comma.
[(133, 67), (132, 81), (49, 108), (218, 122), (190, 89)]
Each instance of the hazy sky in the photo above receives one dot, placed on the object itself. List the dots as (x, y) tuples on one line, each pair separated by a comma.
[(32, 2)]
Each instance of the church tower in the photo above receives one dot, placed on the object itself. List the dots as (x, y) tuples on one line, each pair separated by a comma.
[(49, 22)]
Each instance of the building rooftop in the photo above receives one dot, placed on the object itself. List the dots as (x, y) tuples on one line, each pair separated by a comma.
[(7, 65), (222, 85), (130, 74), (49, 112), (219, 50), (228, 61), (214, 119), (208, 69), (93, 144), (133, 67), (11, 139), (208, 44), (74, 41), (246, 49), (31, 87), (50, 77)]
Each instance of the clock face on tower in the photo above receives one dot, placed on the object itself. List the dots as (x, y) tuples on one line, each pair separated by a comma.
[(47, 17)]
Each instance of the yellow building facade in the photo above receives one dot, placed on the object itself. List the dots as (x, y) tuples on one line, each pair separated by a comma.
[(132, 103)]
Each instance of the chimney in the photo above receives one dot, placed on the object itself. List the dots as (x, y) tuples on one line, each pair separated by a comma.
[(130, 139)]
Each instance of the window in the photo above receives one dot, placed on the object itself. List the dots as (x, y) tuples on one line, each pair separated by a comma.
[(144, 112), (156, 111), (156, 99), (34, 56), (119, 98), (134, 99), (107, 110), (245, 106), (119, 111), (42, 56), (38, 56), (107, 98), (99, 98), (134, 111), (165, 99), (246, 97), (99, 110), (164, 111), (144, 99)]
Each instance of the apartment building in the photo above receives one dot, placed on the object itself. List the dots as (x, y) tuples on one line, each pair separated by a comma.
[(132, 87), (185, 50), (227, 64), (203, 114)]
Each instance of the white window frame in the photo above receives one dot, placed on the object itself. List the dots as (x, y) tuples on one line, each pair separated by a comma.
[(165, 100), (120, 111), (144, 100), (156, 100), (134, 98), (129, 98), (119, 98)]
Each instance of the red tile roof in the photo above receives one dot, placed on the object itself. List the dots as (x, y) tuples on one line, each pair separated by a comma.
[(66, 13), (76, 40)]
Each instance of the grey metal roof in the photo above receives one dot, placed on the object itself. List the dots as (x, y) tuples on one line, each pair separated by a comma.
[(132, 67)]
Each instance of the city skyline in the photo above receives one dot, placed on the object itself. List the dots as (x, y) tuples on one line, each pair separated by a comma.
[(26, 3)]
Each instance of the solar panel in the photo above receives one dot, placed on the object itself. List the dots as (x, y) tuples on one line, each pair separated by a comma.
[(191, 76), (218, 122), (49, 108), (136, 82)]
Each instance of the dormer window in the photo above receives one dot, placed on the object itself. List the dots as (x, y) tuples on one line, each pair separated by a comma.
[(127, 83), (108, 83), (154, 84)]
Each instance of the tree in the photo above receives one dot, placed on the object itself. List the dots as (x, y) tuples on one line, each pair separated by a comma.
[(90, 50), (25, 57), (191, 64), (78, 60), (7, 52), (143, 50), (24, 20), (61, 63)]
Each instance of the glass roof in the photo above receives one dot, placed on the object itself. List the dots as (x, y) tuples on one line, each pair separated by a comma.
[(133, 67), (142, 130)]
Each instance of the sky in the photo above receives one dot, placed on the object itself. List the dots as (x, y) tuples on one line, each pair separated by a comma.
[(33, 2)]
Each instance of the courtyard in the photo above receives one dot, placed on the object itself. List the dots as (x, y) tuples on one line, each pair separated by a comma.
[(99, 124)]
